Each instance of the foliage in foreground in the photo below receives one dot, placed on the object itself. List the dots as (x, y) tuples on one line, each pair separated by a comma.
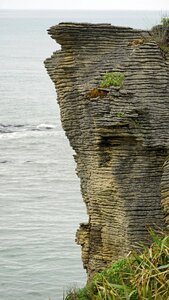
[(139, 277)]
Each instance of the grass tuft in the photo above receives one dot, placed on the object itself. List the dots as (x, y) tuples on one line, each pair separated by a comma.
[(137, 277), (112, 79)]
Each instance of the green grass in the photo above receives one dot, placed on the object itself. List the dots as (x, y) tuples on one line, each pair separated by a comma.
[(120, 114), (139, 277), (112, 79)]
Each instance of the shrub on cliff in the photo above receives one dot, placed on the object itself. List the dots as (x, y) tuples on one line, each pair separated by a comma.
[(160, 34), (138, 277), (165, 21), (112, 79)]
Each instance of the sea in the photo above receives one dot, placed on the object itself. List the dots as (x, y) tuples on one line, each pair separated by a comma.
[(40, 201)]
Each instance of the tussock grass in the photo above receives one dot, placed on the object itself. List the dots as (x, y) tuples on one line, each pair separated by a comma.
[(112, 79), (138, 277)]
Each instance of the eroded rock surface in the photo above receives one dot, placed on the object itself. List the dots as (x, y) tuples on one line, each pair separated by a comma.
[(121, 136)]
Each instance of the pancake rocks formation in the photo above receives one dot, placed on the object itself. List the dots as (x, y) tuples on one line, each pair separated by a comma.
[(120, 133)]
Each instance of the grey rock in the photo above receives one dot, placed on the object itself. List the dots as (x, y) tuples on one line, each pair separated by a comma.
[(121, 140)]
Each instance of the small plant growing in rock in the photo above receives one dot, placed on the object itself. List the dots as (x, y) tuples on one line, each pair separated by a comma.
[(120, 114), (112, 79)]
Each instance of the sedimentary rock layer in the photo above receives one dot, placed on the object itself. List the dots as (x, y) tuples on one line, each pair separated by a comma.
[(120, 136)]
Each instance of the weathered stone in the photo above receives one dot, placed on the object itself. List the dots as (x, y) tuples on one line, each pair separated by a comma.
[(121, 139)]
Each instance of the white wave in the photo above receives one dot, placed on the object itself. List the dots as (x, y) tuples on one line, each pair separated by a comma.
[(46, 126), (30, 133), (13, 135)]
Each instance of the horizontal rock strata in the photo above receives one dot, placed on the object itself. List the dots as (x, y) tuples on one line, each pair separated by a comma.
[(120, 135)]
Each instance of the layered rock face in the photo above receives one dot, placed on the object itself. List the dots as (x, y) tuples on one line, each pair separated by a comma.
[(120, 134)]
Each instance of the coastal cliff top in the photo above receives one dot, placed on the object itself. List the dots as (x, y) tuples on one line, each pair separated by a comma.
[(99, 29)]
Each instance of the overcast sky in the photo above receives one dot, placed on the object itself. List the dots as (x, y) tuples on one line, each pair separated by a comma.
[(162, 5)]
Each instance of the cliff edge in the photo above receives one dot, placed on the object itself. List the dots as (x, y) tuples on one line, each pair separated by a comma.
[(120, 133)]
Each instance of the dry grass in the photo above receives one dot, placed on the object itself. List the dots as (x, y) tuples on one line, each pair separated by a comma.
[(138, 277)]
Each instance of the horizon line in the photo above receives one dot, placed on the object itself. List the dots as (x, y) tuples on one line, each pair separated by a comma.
[(85, 9)]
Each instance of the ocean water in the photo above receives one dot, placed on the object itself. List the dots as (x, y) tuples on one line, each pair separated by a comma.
[(40, 201)]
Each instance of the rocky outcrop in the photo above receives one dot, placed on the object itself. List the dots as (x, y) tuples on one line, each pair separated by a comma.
[(120, 134)]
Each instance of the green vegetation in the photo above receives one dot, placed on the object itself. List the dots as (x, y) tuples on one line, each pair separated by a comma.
[(120, 114), (165, 21), (160, 34), (139, 277), (112, 79)]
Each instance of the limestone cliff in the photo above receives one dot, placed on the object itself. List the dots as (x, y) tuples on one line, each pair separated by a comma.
[(120, 135)]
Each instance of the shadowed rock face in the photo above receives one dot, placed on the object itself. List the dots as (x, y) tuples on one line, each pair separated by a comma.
[(121, 136)]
